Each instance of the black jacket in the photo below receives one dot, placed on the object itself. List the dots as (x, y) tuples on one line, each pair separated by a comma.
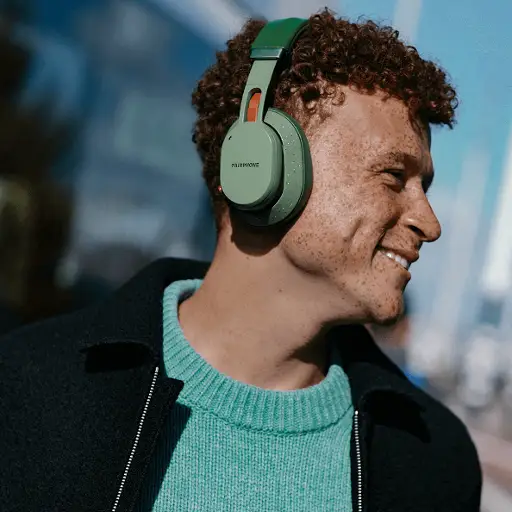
[(82, 403)]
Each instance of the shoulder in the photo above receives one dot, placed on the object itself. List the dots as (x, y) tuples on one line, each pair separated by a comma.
[(42, 376), (46, 342), (445, 428), (441, 418), (131, 313), (453, 448), (419, 438)]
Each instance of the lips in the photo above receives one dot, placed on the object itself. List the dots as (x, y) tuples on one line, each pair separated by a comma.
[(403, 258), (396, 257)]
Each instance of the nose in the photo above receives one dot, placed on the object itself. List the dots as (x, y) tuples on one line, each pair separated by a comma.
[(422, 220)]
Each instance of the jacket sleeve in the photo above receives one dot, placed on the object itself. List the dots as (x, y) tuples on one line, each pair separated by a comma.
[(473, 502)]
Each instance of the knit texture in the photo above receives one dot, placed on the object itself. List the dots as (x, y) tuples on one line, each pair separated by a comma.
[(230, 446)]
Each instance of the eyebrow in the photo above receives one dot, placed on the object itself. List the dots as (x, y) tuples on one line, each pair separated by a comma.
[(411, 161)]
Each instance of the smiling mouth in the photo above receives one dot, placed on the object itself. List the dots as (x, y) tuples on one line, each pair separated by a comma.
[(396, 257)]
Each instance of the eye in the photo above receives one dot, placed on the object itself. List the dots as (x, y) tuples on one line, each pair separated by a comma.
[(397, 176)]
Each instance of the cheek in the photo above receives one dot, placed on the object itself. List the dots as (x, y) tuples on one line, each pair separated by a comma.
[(352, 210), (323, 234), (340, 227), (330, 211)]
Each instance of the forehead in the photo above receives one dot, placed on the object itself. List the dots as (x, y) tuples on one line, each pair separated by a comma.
[(372, 124)]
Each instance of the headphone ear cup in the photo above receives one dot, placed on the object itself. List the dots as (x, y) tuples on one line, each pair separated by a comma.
[(297, 176), (251, 165)]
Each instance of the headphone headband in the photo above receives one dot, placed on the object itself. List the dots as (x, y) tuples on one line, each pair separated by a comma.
[(273, 43), (276, 38)]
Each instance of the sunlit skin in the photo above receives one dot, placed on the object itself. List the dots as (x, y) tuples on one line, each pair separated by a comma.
[(268, 298)]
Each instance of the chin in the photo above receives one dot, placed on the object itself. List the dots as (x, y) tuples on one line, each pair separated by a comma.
[(386, 311)]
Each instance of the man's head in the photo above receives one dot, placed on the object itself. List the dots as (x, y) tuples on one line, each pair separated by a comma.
[(366, 102)]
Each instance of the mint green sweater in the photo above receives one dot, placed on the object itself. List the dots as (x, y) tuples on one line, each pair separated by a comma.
[(229, 446)]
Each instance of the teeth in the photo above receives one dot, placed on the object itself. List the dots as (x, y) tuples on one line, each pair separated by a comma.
[(397, 258)]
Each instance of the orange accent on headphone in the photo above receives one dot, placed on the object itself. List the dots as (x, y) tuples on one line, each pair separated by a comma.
[(254, 103)]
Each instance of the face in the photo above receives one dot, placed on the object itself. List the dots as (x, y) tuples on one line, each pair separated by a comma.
[(368, 213)]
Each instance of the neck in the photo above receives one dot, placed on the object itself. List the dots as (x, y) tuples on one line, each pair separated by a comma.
[(258, 320)]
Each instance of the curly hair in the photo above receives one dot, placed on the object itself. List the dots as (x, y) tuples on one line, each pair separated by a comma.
[(365, 55)]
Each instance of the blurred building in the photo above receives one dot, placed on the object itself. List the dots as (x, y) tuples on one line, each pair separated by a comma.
[(35, 208), (129, 68)]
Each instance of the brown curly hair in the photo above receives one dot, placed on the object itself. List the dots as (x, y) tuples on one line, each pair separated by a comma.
[(365, 55)]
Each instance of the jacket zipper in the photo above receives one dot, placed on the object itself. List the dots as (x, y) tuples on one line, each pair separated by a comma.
[(359, 463), (136, 442)]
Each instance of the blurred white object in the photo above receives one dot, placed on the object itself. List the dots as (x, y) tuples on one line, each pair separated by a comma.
[(494, 497), (455, 272), (496, 275), (430, 352), (406, 18), (216, 20), (480, 369)]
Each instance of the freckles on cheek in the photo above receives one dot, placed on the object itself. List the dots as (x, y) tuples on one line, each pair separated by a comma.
[(308, 250)]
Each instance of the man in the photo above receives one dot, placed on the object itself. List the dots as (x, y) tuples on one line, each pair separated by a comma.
[(257, 388)]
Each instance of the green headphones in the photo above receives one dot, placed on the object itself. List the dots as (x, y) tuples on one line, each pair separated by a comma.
[(265, 167)]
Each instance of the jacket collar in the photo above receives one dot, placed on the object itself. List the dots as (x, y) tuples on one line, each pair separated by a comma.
[(369, 371), (133, 315)]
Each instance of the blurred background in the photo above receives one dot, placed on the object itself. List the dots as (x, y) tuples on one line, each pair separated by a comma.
[(99, 176)]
